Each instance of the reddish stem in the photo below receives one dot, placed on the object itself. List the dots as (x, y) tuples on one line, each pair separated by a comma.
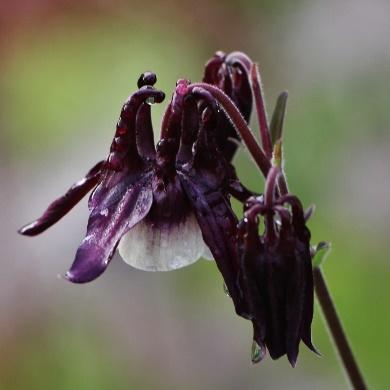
[(337, 332), (239, 123), (270, 187), (260, 109)]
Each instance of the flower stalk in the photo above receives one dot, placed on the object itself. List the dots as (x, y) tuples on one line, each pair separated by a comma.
[(239, 123), (146, 195), (261, 111), (263, 161), (337, 332)]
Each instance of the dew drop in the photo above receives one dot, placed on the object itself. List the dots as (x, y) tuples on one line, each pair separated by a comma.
[(277, 220), (114, 161), (150, 100), (186, 167), (104, 212), (225, 290), (257, 352)]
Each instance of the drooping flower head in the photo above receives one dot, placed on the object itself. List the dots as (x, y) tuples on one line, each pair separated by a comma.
[(276, 272), (163, 206)]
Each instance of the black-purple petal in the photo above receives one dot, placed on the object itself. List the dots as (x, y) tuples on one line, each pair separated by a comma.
[(65, 203), (123, 206), (218, 225)]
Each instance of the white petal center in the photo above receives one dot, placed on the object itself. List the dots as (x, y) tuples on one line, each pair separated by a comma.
[(163, 248)]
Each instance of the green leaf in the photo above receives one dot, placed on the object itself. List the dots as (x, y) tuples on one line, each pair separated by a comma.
[(276, 126), (320, 252)]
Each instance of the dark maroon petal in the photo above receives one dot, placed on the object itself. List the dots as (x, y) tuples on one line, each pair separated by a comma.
[(308, 310), (213, 67), (123, 151), (250, 254), (206, 154), (274, 291), (65, 203), (240, 66), (285, 223), (165, 120), (302, 302), (144, 132), (190, 125), (229, 73), (298, 215), (170, 203), (239, 58), (218, 225), (282, 270), (123, 207), (171, 129), (307, 317), (204, 175), (295, 296)]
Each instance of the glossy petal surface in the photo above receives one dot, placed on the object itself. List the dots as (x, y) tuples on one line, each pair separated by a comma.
[(276, 275), (65, 203), (218, 225), (122, 208), (169, 246)]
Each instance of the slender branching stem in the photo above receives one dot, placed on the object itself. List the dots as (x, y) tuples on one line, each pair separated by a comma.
[(282, 184), (240, 125), (264, 163), (332, 318), (270, 186), (337, 332), (260, 109)]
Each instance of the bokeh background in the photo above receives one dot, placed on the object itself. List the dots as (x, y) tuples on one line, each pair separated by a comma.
[(65, 69)]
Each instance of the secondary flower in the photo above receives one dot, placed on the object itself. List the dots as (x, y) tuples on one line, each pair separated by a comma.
[(276, 272), (230, 74)]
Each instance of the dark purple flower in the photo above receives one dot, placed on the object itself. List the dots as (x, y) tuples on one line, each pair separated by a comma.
[(276, 272), (165, 206), (231, 74)]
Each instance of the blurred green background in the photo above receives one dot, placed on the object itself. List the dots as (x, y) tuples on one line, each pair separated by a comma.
[(65, 69)]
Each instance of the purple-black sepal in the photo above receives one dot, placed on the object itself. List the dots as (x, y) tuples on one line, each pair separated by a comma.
[(276, 273)]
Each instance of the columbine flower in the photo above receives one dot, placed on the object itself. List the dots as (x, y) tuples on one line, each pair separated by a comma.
[(230, 74), (165, 206), (276, 272), (162, 206)]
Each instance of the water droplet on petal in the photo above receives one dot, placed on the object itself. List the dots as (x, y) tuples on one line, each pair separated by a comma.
[(257, 352), (225, 290), (277, 220), (104, 212), (150, 100), (115, 161), (186, 167)]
